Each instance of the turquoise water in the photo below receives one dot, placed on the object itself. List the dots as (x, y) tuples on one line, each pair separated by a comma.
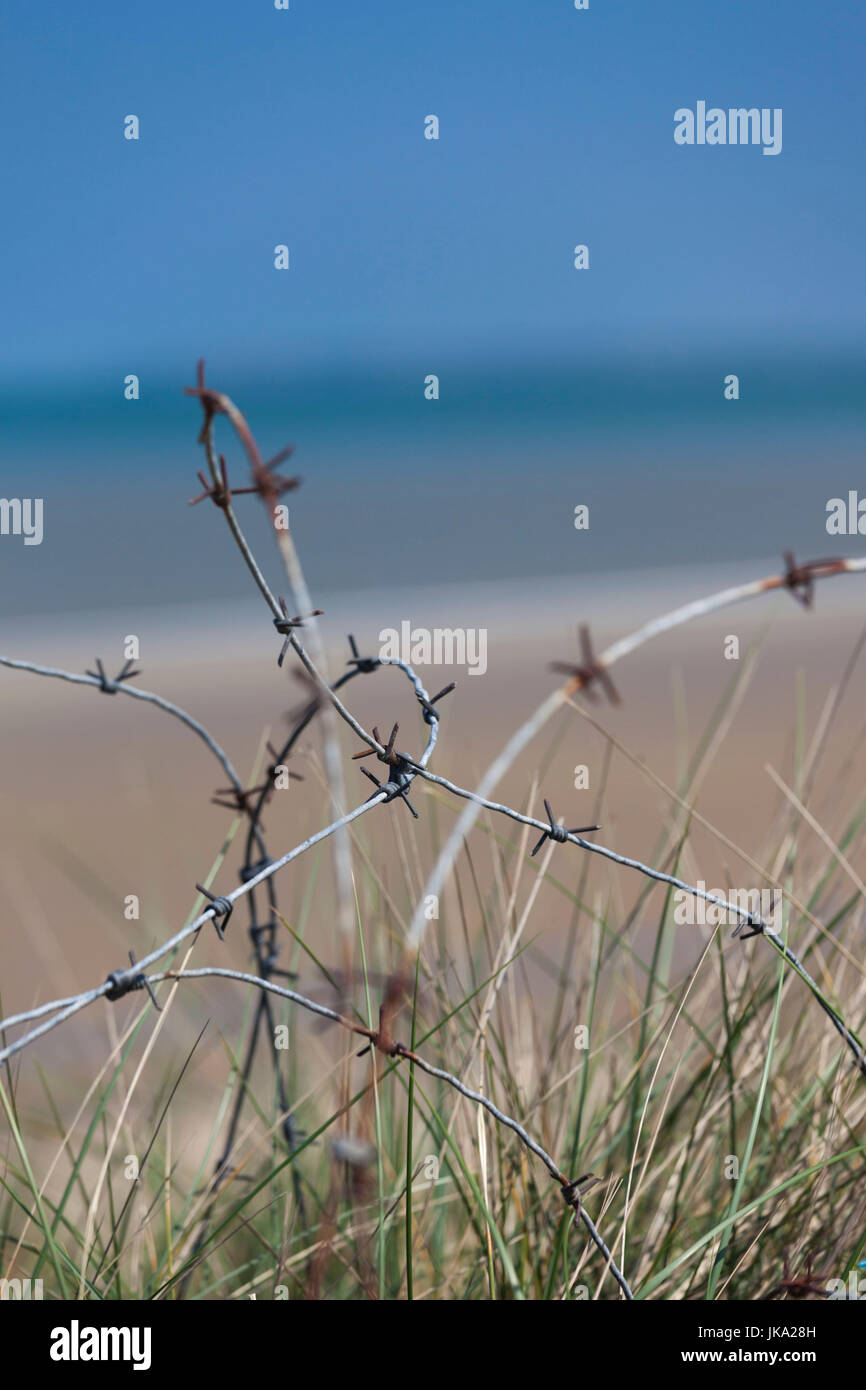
[(479, 484)]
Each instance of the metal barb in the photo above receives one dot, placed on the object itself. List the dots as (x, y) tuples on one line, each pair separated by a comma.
[(285, 626), (572, 1192), (109, 687), (122, 984), (367, 664), (238, 798), (392, 758), (800, 579), (223, 909), (428, 705), (397, 785), (589, 670), (279, 760), (268, 482), (210, 401), (757, 929), (558, 832)]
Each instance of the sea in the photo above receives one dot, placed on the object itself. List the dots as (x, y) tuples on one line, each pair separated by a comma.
[(407, 484)]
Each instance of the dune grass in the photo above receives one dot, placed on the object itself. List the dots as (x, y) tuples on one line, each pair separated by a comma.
[(722, 1116)]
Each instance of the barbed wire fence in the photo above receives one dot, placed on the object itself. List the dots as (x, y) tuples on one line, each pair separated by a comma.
[(589, 676)]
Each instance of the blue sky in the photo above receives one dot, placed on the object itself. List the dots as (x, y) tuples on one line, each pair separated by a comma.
[(306, 127), (411, 256)]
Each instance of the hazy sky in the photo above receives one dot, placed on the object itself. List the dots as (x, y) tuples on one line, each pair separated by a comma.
[(305, 127)]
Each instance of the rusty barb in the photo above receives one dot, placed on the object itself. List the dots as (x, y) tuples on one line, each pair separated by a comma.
[(382, 1038), (266, 481), (800, 579), (573, 1191), (389, 756), (109, 687), (589, 671), (219, 493), (558, 832), (428, 706), (806, 1285), (212, 402)]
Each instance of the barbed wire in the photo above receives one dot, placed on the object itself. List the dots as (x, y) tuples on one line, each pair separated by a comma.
[(270, 487), (112, 688), (759, 927), (390, 791), (583, 675), (382, 1041), (587, 675)]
